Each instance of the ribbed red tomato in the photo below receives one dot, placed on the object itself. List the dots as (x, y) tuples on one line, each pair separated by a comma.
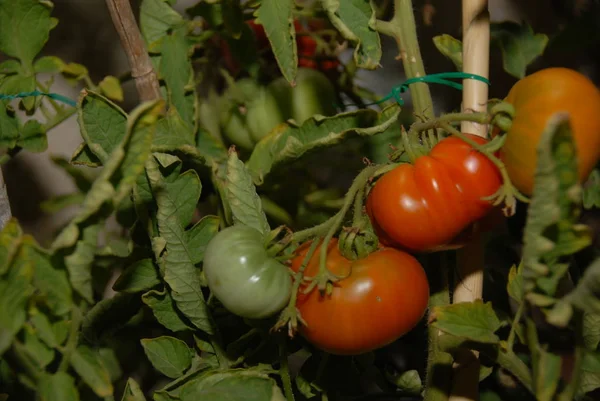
[(384, 298), (425, 206)]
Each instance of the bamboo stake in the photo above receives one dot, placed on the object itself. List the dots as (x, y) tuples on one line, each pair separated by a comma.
[(5, 211), (469, 283)]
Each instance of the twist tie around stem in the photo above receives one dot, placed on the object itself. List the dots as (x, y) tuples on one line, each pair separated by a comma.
[(440, 78), (54, 96)]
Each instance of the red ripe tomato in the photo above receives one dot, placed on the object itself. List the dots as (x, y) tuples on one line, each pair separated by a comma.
[(535, 99), (424, 207), (384, 298)]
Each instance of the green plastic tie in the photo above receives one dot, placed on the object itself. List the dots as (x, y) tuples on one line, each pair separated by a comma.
[(54, 96)]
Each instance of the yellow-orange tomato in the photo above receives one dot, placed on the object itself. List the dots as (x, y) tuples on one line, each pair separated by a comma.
[(383, 298), (535, 99)]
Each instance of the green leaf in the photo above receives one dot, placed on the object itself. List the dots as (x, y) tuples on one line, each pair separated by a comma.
[(111, 88), (102, 123), (169, 355), (24, 28), (591, 190), (58, 203), (355, 20), (552, 230), (242, 197), (9, 127), (84, 156), (21, 82), (290, 142), (451, 48), (36, 349), (590, 375), (176, 263), (61, 331), (277, 19), (140, 276), (172, 133), (79, 263), (591, 330), (176, 70), (519, 44), (164, 310), (109, 315), (111, 362), (234, 385), (33, 137), (157, 18), (515, 283), (200, 235), (49, 279), (546, 374), (476, 321), (408, 381), (48, 65), (10, 67), (74, 72), (43, 328), (10, 240), (132, 391), (83, 178), (182, 196), (57, 387), (88, 365), (213, 151)]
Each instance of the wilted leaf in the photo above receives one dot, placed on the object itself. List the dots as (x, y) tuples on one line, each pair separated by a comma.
[(245, 203), (519, 44), (290, 142), (164, 310), (354, 19), (140, 276), (476, 321), (57, 387), (169, 355), (277, 19), (88, 365), (451, 48)]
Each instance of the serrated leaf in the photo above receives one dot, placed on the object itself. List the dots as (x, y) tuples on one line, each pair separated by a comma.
[(57, 387), (157, 18), (183, 195), (242, 197), (10, 239), (132, 391), (476, 321), (111, 88), (176, 70), (290, 142), (48, 65), (234, 385), (200, 235), (140, 276), (88, 365), (103, 124), (519, 44), (109, 315), (354, 19), (551, 229), (24, 28), (33, 137), (169, 355), (277, 19), (590, 373), (451, 48), (164, 310), (591, 190), (176, 263)]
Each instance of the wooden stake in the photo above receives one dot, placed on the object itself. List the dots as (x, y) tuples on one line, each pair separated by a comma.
[(470, 260), (142, 70)]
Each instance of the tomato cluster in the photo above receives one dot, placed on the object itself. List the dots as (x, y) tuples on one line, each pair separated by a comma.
[(252, 109), (535, 99), (425, 206)]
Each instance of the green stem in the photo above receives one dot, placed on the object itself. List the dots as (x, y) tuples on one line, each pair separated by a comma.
[(284, 369), (73, 339), (403, 29), (513, 328), (450, 118)]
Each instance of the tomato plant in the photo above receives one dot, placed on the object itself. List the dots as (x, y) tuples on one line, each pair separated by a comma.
[(242, 276), (537, 97), (423, 207), (384, 296)]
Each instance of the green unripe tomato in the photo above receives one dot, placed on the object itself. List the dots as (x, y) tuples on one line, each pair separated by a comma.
[(240, 273), (264, 114), (236, 129)]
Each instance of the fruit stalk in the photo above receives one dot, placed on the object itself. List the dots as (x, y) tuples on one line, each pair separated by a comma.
[(469, 283), (146, 80)]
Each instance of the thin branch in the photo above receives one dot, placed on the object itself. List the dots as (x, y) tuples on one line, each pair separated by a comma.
[(142, 71)]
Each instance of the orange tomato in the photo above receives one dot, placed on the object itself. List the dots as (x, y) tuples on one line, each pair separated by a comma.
[(535, 99), (430, 205), (383, 298)]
